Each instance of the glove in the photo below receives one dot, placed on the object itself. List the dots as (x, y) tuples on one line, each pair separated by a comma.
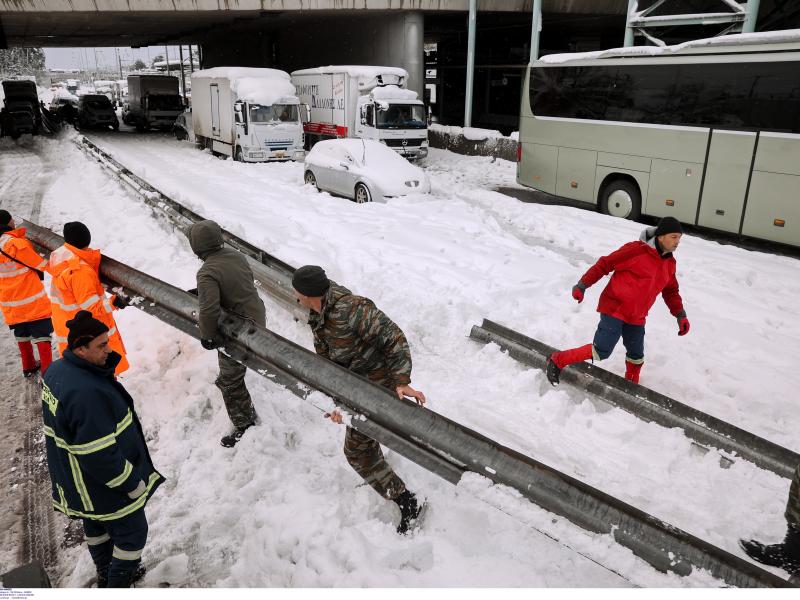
[(120, 302), (683, 325), (208, 344), (192, 291), (577, 291)]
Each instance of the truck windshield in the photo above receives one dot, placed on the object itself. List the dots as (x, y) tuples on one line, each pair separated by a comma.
[(164, 103), (277, 112), (402, 116)]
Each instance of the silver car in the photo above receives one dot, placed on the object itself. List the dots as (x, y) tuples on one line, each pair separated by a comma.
[(362, 170)]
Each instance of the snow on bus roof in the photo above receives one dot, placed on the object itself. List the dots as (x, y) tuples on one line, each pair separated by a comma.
[(739, 39), (365, 71), (259, 86)]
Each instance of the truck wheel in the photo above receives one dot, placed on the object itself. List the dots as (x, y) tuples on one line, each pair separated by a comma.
[(238, 157), (310, 179), (139, 126), (621, 198), (362, 194), (115, 126)]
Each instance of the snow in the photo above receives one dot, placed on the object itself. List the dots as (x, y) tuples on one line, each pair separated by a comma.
[(360, 71), (470, 133), (393, 93), (259, 86), (284, 509), (740, 39)]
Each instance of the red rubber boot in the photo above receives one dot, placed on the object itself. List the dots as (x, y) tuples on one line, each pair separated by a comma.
[(632, 371), (26, 354), (559, 360), (45, 350)]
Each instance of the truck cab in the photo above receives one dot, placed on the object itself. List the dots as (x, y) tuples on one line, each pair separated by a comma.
[(400, 124), (268, 132)]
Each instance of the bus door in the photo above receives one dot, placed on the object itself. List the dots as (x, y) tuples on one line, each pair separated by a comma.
[(730, 158)]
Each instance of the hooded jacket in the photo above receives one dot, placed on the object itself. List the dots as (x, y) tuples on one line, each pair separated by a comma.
[(76, 286), (22, 296), (98, 460), (641, 273), (224, 281)]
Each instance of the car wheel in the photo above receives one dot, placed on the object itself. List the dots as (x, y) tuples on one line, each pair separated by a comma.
[(238, 156), (310, 179), (621, 198), (362, 195)]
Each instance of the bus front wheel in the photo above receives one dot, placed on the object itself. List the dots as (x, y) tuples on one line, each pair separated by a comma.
[(621, 198)]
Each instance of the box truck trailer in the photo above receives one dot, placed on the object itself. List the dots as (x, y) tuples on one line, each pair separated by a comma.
[(363, 102), (251, 115), (153, 102)]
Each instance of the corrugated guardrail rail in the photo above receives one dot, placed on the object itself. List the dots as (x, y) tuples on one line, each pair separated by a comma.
[(437, 443), (645, 403)]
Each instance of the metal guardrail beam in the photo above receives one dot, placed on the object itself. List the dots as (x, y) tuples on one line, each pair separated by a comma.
[(644, 403), (435, 441)]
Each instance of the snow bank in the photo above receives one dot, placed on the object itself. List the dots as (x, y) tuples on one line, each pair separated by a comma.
[(740, 39), (259, 86), (473, 134)]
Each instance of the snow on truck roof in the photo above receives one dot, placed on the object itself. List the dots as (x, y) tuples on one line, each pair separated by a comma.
[(788, 36), (361, 71), (259, 86)]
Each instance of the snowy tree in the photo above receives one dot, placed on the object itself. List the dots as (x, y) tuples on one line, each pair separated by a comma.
[(139, 65), (21, 61)]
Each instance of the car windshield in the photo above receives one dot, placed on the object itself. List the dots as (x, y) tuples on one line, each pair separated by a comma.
[(275, 113), (165, 103), (98, 103), (402, 116)]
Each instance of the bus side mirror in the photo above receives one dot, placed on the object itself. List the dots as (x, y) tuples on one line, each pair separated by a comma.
[(363, 115)]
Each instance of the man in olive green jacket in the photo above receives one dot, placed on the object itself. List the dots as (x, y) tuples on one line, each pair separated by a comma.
[(226, 281), (352, 332)]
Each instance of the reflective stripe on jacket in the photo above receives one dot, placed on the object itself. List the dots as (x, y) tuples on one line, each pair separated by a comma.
[(76, 286), (96, 451), (22, 296)]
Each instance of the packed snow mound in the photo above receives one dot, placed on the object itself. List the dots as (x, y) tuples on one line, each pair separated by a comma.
[(739, 39), (393, 93), (259, 86), (474, 134)]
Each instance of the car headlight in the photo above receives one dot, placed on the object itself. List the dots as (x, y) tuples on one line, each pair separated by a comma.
[(413, 183)]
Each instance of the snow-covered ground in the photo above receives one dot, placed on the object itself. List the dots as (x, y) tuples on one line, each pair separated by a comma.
[(284, 508)]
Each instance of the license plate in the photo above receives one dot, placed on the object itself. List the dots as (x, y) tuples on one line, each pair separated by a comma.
[(279, 154)]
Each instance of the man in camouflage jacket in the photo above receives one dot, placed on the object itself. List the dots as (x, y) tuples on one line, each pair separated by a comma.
[(352, 332)]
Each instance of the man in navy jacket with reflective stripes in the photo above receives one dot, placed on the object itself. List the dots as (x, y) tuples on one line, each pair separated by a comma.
[(99, 464)]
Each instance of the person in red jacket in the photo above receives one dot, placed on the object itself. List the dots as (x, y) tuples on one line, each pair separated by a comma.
[(23, 302), (642, 270)]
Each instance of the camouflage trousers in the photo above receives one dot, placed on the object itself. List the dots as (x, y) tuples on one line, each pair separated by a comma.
[(365, 456), (793, 505), (234, 392)]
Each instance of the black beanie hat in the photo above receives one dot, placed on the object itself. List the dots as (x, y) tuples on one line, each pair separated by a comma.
[(83, 328), (668, 225), (311, 280), (77, 234), (5, 218)]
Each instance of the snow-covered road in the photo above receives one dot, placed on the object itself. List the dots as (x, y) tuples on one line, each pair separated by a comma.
[(284, 509)]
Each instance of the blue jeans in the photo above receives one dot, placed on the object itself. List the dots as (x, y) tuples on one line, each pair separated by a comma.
[(116, 546), (608, 333)]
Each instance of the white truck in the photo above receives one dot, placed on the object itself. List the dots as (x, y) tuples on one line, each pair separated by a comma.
[(249, 114), (153, 102), (363, 102)]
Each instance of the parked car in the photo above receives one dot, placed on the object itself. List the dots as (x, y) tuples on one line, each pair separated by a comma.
[(95, 110), (182, 127), (362, 170)]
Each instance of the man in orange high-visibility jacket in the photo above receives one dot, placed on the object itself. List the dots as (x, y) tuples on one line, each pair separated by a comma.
[(23, 302), (76, 286)]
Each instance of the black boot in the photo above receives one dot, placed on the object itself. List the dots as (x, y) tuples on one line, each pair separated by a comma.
[(230, 440), (552, 371), (409, 512), (102, 579), (785, 555)]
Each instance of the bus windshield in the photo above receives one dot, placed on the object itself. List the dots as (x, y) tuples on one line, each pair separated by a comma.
[(402, 116), (282, 113)]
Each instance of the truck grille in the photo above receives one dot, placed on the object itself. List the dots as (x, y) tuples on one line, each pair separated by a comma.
[(413, 142)]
